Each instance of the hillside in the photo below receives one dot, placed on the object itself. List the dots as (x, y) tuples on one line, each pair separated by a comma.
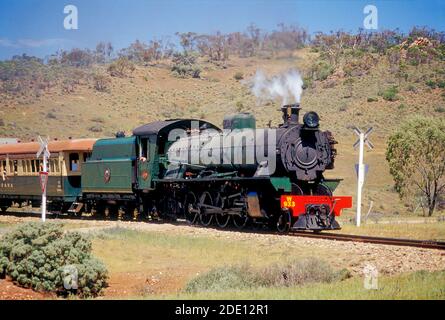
[(359, 88)]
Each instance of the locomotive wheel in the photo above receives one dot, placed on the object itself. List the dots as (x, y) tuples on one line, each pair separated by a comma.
[(205, 199), (323, 190), (296, 190), (190, 207), (284, 221), (222, 219), (240, 221), (4, 209)]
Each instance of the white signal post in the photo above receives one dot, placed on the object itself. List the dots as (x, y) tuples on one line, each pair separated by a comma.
[(363, 138), (43, 150)]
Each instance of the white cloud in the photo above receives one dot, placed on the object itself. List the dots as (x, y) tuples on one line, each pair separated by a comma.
[(33, 43), (7, 43)]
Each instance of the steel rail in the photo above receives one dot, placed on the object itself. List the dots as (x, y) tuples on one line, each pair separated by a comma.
[(427, 244)]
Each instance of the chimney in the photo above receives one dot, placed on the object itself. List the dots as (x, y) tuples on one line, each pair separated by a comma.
[(291, 113)]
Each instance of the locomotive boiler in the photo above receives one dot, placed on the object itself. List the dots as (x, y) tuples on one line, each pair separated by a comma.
[(298, 150)]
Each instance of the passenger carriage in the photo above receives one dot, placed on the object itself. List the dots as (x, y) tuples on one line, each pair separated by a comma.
[(20, 167)]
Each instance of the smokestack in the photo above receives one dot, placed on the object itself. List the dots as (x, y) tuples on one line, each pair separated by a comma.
[(291, 113)]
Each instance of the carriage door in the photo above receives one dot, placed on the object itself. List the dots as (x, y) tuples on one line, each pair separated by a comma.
[(144, 177)]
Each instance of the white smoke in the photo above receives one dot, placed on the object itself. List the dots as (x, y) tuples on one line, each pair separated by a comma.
[(288, 86)]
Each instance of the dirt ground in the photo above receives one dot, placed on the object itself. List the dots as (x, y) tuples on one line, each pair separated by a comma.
[(155, 280), (9, 291)]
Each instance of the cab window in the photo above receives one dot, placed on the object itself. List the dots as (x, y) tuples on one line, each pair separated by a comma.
[(74, 162), (144, 149)]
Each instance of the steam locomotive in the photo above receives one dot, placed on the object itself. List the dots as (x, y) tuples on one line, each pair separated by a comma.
[(190, 168)]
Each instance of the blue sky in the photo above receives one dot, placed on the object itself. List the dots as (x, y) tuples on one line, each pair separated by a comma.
[(36, 26)]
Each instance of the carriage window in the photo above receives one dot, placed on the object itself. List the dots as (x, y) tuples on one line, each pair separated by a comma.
[(16, 165), (28, 166), (85, 156), (24, 166), (74, 162), (56, 165), (39, 166), (33, 165)]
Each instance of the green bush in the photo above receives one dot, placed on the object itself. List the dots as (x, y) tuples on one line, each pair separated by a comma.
[(184, 65), (441, 84), (307, 82), (431, 84), (372, 99), (440, 109), (390, 94), (240, 277), (322, 70), (38, 255)]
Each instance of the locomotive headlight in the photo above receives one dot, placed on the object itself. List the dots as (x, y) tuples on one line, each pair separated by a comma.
[(311, 119)]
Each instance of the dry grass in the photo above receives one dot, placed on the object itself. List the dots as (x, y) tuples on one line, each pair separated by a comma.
[(421, 231), (414, 286)]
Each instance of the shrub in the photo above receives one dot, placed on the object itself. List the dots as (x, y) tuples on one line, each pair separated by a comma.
[(96, 128), (343, 108), (322, 70), (431, 84), (441, 84), (390, 94), (412, 88), (98, 119), (37, 255), (184, 65), (101, 82), (122, 67), (372, 99), (240, 277), (239, 106), (51, 115), (307, 82), (238, 76), (439, 109)]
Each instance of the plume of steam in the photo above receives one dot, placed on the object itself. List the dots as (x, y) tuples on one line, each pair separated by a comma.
[(288, 86)]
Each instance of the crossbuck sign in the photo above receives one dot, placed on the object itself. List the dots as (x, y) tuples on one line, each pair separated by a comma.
[(43, 150), (363, 138)]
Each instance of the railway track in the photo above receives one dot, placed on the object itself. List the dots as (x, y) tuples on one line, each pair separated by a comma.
[(427, 244)]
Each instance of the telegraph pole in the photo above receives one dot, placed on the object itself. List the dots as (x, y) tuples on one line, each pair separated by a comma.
[(43, 175), (362, 140)]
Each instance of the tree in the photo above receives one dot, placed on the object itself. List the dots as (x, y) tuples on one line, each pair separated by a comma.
[(416, 156)]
